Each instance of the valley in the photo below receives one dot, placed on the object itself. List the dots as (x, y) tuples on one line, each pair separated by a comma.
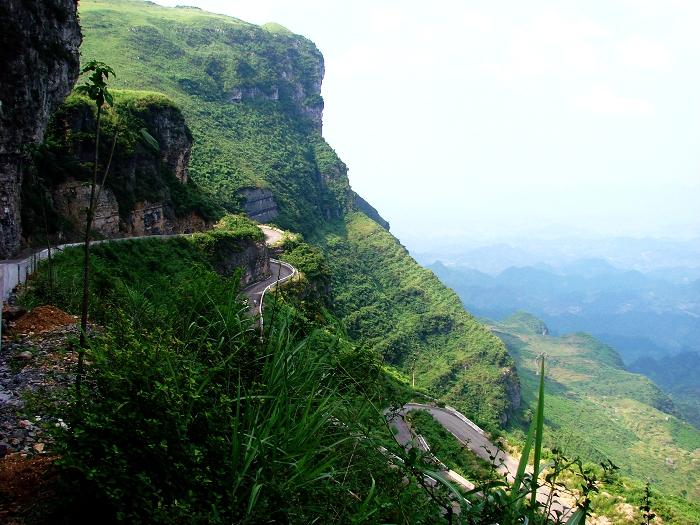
[(258, 321)]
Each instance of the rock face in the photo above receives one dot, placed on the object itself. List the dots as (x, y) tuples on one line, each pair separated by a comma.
[(71, 199), (252, 257), (39, 64), (301, 85), (259, 205), (146, 192)]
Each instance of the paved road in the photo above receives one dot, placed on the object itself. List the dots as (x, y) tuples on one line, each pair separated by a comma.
[(272, 235), (467, 434), (475, 441), (278, 272), (255, 290)]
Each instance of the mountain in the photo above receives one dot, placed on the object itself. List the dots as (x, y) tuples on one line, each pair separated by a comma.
[(250, 98), (679, 376), (663, 257), (638, 314), (596, 409)]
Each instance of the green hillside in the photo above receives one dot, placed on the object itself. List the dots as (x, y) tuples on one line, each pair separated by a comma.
[(246, 93), (596, 409), (406, 314), (251, 98)]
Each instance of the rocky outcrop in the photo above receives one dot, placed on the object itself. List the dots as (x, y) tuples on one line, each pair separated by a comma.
[(147, 192), (259, 205), (39, 64), (71, 199), (252, 257)]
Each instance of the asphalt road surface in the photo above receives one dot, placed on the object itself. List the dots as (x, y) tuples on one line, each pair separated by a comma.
[(255, 290), (465, 433), (475, 441)]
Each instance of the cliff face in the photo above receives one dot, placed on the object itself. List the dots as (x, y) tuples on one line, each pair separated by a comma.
[(39, 65), (251, 94), (252, 257), (146, 192)]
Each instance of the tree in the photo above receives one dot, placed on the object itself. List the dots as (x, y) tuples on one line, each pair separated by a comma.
[(95, 88)]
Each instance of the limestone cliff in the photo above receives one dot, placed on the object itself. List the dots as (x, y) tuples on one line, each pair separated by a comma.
[(251, 256), (146, 192), (38, 67)]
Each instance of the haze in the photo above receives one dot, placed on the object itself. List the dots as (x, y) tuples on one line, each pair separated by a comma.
[(474, 119)]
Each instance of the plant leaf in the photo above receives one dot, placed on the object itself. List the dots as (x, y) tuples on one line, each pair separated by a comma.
[(150, 140)]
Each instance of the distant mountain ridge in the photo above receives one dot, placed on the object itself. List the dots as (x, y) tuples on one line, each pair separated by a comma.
[(666, 258), (619, 306)]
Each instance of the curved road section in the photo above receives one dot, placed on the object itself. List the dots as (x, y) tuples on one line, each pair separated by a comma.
[(467, 433), (472, 436), (279, 273)]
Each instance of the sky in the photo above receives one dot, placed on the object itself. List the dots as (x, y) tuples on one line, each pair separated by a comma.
[(496, 119)]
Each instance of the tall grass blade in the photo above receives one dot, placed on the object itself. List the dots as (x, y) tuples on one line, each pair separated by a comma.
[(538, 444)]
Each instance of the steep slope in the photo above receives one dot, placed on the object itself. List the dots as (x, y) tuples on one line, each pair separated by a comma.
[(391, 304), (596, 409), (251, 96)]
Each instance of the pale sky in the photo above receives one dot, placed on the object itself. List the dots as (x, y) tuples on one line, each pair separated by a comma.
[(485, 119)]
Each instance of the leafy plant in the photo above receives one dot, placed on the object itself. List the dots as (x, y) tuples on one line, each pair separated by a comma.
[(96, 89)]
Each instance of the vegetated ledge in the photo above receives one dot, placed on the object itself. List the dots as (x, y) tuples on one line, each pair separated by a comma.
[(147, 192)]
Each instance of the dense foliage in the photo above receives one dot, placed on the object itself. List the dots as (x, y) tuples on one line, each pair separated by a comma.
[(188, 415), (389, 303), (248, 95)]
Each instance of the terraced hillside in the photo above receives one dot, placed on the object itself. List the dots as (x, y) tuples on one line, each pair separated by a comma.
[(596, 409)]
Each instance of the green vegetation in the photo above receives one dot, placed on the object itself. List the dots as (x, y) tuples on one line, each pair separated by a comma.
[(238, 86), (522, 322), (599, 411), (250, 96), (389, 303), (678, 376), (187, 415)]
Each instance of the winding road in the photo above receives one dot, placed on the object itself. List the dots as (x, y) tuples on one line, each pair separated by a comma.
[(279, 273), (472, 436), (13, 272), (467, 434)]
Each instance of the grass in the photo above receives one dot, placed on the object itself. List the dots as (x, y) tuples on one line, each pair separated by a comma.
[(626, 418), (389, 303)]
